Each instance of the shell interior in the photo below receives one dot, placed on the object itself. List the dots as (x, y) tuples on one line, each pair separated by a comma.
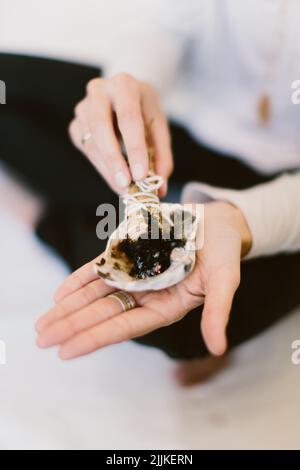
[(160, 257)]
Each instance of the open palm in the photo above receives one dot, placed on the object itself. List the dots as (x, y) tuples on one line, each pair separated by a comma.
[(85, 319)]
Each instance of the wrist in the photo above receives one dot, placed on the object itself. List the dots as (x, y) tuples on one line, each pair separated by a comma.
[(244, 230), (235, 217)]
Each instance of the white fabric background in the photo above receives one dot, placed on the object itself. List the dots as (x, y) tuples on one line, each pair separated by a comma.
[(50, 30)]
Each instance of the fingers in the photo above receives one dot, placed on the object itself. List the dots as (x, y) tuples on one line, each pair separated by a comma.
[(126, 99), (135, 104), (77, 280), (159, 135), (162, 144), (90, 150), (74, 302), (120, 328), (217, 307), (67, 325), (68, 321), (101, 321), (162, 152), (94, 115), (100, 123)]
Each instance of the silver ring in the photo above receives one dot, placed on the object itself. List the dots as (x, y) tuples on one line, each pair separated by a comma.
[(126, 300), (87, 136)]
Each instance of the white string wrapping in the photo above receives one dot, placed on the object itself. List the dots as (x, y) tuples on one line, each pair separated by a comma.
[(144, 199)]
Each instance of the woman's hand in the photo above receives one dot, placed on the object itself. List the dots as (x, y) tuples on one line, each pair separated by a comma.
[(85, 320), (135, 105)]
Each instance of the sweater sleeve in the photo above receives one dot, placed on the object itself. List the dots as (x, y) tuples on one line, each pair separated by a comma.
[(151, 43), (272, 211)]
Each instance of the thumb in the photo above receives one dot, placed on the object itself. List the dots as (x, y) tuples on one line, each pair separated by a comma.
[(217, 307)]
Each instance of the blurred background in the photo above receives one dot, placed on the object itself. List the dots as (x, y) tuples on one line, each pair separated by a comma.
[(123, 396)]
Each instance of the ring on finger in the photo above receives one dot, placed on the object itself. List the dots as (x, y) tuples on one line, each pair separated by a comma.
[(86, 137), (126, 300)]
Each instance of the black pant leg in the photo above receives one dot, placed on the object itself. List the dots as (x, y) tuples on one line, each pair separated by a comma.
[(41, 96), (34, 143)]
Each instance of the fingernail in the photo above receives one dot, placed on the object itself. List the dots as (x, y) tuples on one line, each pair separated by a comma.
[(138, 172), (122, 180)]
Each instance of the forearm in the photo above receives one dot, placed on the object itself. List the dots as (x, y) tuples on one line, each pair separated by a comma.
[(272, 211)]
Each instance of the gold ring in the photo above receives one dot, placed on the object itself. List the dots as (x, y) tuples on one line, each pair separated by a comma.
[(87, 136), (126, 300)]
